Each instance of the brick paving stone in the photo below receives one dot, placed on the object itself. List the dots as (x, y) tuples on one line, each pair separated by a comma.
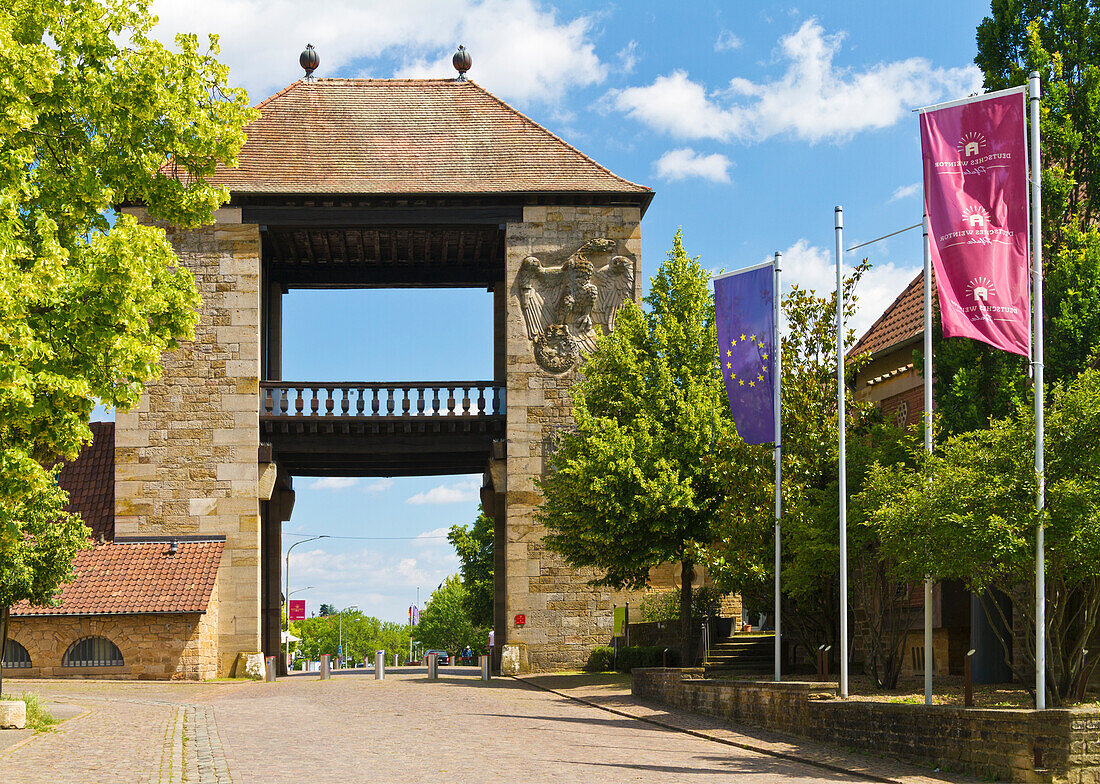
[(111, 743), (356, 729), (461, 730)]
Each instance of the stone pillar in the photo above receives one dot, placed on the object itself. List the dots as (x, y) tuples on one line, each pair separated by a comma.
[(276, 507), (274, 336), (565, 617), (186, 456)]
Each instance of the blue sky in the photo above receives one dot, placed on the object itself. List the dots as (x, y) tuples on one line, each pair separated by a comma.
[(751, 121)]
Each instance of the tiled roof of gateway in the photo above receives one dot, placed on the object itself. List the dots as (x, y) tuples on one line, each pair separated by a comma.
[(902, 321), (90, 482), (138, 577), (390, 136)]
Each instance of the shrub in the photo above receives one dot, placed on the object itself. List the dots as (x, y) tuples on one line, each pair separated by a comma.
[(602, 659)]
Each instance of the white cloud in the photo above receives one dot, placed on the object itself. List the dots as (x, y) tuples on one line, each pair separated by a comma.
[(378, 485), (679, 107), (455, 493), (814, 268), (333, 483), (368, 568), (432, 538), (521, 50), (813, 100), (628, 57), (685, 162), (344, 482), (905, 191), (727, 42)]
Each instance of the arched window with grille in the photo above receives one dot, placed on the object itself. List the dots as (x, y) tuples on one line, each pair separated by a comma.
[(92, 652), (15, 655)]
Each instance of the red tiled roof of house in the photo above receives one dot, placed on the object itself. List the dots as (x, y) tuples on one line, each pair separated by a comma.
[(406, 136), (902, 321), (90, 482), (124, 577)]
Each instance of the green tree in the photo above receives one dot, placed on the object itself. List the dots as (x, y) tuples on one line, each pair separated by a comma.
[(630, 487), (969, 514), (742, 555), (1061, 40), (363, 635), (94, 114), (474, 546), (38, 559), (445, 625)]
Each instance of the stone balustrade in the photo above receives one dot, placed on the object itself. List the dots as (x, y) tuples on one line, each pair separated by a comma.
[(287, 399)]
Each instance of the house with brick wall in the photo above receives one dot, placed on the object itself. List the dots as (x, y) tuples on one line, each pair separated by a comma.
[(137, 607)]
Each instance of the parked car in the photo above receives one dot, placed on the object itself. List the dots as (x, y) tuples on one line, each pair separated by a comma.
[(441, 657)]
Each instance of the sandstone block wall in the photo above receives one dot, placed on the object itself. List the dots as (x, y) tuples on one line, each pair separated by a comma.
[(153, 647), (565, 618), (1010, 745), (186, 457)]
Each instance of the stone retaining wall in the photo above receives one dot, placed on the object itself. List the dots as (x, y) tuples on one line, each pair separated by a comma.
[(1060, 745)]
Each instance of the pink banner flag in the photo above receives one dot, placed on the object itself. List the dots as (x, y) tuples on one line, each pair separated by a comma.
[(975, 194)]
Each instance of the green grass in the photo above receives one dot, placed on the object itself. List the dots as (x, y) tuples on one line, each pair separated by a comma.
[(38, 718), (908, 699)]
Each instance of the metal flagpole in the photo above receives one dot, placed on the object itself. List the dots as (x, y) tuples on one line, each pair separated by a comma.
[(928, 448), (843, 463), (1037, 307), (777, 407)]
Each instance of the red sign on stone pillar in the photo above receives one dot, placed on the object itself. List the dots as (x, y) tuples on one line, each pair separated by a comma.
[(297, 609)]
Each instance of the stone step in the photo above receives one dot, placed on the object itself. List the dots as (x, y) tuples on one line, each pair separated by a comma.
[(742, 655)]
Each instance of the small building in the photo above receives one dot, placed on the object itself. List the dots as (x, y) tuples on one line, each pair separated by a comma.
[(138, 607), (890, 378)]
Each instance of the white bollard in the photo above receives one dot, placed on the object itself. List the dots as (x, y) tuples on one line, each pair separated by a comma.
[(379, 665), (484, 662), (326, 667)]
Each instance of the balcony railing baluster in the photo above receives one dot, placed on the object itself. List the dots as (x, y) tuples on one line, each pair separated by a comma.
[(280, 399)]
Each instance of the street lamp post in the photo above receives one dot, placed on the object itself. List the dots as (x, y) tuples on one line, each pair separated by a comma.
[(341, 651), (286, 660)]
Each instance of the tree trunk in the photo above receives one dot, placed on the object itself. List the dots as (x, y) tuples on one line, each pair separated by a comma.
[(3, 643), (687, 574)]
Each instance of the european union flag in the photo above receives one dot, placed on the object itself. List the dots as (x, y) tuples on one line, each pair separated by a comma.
[(745, 315)]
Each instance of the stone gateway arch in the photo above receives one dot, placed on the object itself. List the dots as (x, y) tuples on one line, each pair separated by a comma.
[(348, 183)]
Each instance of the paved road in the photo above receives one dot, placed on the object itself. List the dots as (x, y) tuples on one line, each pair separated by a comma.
[(356, 729)]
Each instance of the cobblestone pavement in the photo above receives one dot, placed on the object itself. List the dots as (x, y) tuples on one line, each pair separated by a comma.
[(355, 729)]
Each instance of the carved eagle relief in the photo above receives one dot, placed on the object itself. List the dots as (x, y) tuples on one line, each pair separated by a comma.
[(563, 306)]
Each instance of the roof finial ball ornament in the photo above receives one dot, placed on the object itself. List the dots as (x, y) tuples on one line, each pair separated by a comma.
[(309, 61), (462, 62)]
